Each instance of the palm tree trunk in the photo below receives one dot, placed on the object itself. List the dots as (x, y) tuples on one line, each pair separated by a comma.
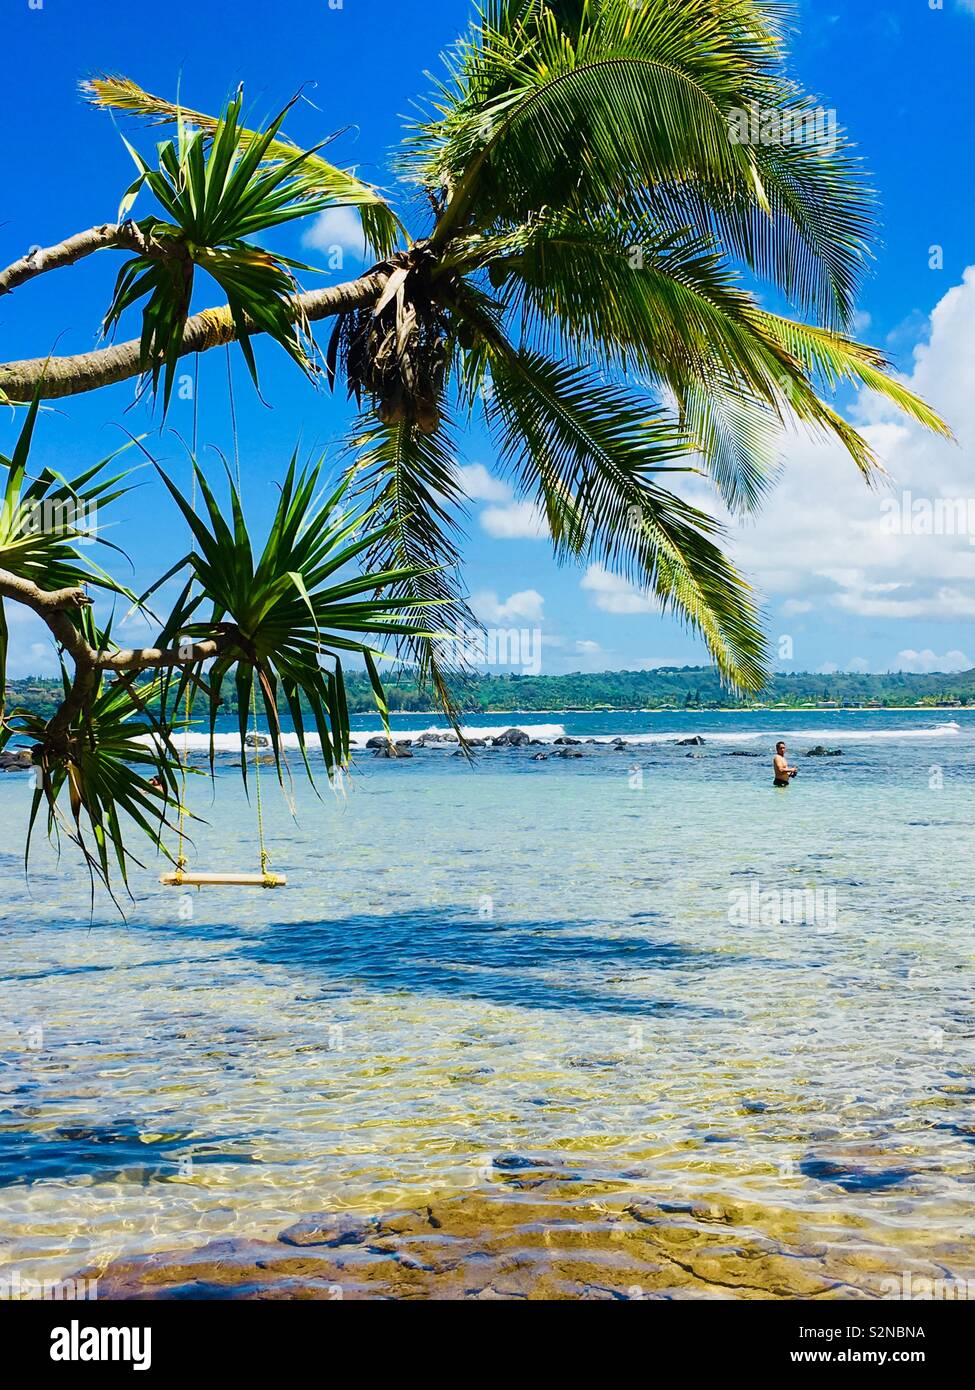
[(71, 376)]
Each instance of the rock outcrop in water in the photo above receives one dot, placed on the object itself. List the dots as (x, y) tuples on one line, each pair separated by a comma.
[(16, 761), (433, 739), (511, 738), (388, 749), (820, 752)]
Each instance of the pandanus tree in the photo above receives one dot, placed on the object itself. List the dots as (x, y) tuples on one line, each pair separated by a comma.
[(593, 244)]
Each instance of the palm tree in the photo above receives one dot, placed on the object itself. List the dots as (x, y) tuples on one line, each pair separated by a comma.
[(283, 622), (593, 239), (582, 281)]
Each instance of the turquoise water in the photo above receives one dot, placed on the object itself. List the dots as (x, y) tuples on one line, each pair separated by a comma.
[(598, 963)]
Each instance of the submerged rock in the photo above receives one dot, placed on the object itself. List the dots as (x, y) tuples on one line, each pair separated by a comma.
[(567, 741), (535, 1231), (697, 741), (820, 752), (513, 1163), (539, 757), (854, 1177), (332, 1230)]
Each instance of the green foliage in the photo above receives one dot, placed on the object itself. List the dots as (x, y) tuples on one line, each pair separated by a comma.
[(44, 519), (664, 688), (594, 217), (281, 620), (288, 618), (380, 225), (114, 766), (217, 188)]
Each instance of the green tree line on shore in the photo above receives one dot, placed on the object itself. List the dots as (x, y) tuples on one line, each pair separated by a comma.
[(688, 687)]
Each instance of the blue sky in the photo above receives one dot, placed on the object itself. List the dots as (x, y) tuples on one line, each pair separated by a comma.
[(840, 590)]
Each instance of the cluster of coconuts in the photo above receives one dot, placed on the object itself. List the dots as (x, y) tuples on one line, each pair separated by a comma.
[(403, 346)]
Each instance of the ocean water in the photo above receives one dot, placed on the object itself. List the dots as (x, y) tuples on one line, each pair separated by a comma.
[(721, 1034)]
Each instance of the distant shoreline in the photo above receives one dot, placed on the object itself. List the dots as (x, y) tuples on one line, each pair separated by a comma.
[(711, 709), (685, 691)]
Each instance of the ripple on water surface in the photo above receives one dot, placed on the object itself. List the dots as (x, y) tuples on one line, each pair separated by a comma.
[(517, 1004)]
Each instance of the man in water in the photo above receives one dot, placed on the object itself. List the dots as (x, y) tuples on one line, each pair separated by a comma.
[(781, 770)]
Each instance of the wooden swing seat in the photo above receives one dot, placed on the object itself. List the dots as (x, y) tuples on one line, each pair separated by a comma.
[(183, 880)]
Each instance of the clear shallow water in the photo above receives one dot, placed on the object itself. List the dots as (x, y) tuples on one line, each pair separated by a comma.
[(587, 964)]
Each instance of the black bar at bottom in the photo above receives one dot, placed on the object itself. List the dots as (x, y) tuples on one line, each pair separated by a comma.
[(168, 1338)]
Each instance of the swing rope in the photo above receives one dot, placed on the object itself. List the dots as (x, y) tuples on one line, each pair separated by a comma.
[(180, 877), (265, 855), (181, 855), (233, 417)]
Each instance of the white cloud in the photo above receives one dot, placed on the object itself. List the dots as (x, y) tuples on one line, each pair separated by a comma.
[(519, 521), (32, 659), (588, 647), (940, 607), (616, 595), (928, 661), (825, 539), (527, 606), (336, 229), (482, 486), (31, 650)]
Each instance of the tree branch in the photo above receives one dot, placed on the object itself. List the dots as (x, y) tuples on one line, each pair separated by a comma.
[(126, 236), (54, 607), (43, 601), (142, 658), (70, 376)]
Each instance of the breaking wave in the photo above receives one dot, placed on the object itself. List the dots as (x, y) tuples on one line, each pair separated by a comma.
[(229, 743)]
